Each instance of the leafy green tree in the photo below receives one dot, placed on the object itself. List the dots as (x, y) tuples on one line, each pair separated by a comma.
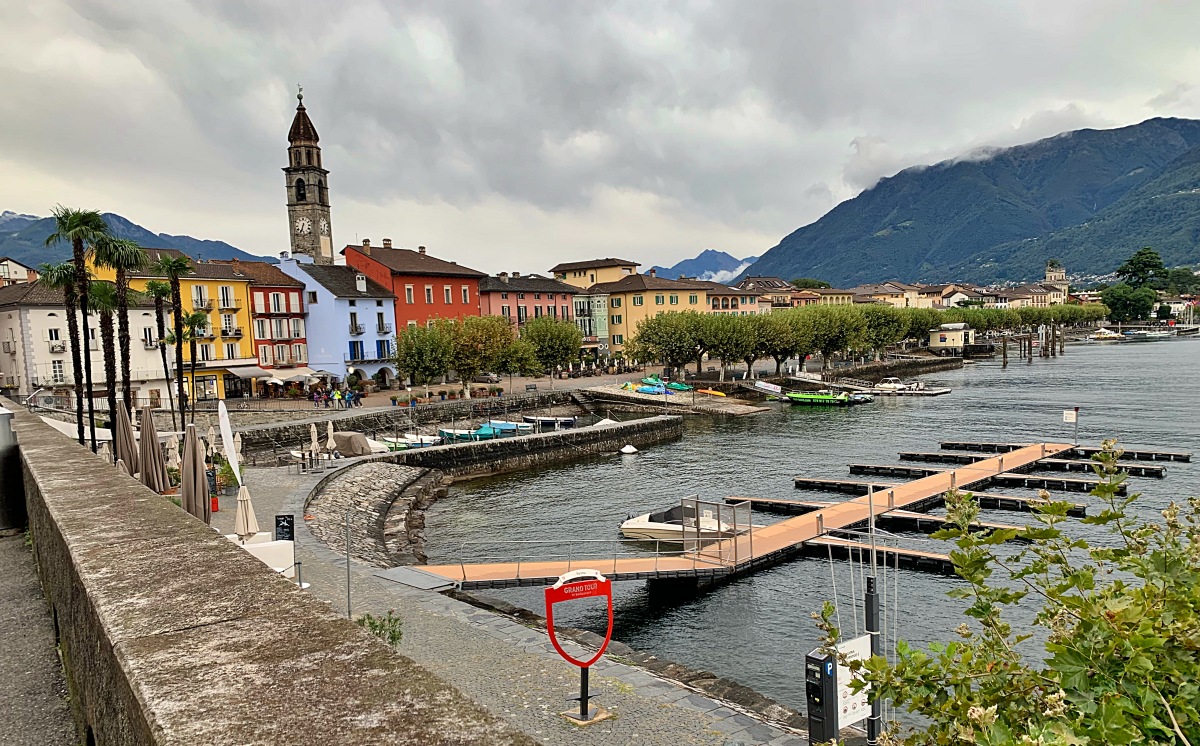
[(555, 342), (728, 339), (835, 329), (1120, 661), (61, 278), (477, 343), (161, 293), (920, 321), (672, 338), (518, 359), (776, 337), (1143, 267), (424, 353), (1182, 281), (1163, 313), (808, 283), (123, 256), (173, 268), (82, 229), (1127, 303), (885, 325), (103, 297)]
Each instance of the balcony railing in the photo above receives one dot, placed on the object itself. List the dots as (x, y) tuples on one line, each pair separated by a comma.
[(10, 346), (356, 329), (206, 333), (368, 356), (150, 344), (58, 346), (202, 304), (230, 304), (232, 332), (383, 328)]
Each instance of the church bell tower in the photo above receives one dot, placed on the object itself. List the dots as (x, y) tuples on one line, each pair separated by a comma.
[(307, 191)]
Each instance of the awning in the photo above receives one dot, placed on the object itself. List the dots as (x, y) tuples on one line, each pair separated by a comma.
[(249, 371), (299, 374)]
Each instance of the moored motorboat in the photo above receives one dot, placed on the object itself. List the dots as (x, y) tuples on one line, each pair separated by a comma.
[(1106, 335), (676, 525), (481, 433), (507, 427), (395, 444), (1147, 335), (819, 398), (551, 423), (420, 441), (894, 384), (861, 398)]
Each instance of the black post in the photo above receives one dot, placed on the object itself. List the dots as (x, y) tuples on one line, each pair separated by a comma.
[(875, 721), (583, 693)]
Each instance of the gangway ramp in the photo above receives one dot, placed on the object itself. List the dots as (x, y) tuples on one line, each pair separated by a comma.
[(750, 551)]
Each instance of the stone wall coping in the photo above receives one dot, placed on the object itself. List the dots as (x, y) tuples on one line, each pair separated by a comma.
[(206, 644)]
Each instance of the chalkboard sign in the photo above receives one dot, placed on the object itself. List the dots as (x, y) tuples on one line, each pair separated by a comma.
[(285, 528)]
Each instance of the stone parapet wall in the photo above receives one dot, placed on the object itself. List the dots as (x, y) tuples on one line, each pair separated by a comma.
[(171, 634), (353, 506)]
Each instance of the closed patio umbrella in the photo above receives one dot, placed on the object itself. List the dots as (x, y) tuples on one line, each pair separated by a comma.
[(154, 468), (237, 444), (173, 451), (124, 441), (245, 524), (330, 443), (212, 441), (194, 491), (315, 447)]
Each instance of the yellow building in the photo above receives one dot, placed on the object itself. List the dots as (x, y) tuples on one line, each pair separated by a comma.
[(636, 297), (225, 361), (594, 271)]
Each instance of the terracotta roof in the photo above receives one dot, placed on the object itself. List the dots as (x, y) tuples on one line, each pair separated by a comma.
[(342, 281), (37, 294), (715, 288), (761, 284), (261, 273), (593, 264), (200, 270), (526, 284), (634, 283), (302, 127), (409, 262), (830, 291)]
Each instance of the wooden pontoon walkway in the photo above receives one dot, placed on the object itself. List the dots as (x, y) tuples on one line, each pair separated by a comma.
[(759, 548), (1050, 464), (1131, 454)]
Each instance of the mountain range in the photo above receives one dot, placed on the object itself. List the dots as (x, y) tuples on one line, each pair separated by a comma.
[(709, 264), (1089, 198), (23, 238)]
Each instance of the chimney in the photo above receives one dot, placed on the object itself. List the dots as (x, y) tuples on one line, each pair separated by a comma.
[(387, 243), (503, 276), (516, 275), (366, 246), (284, 256), (421, 250), (360, 283), (653, 272)]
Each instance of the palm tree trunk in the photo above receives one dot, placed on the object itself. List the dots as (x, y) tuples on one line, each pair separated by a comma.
[(110, 371), (123, 336), (81, 280), (76, 362), (192, 349), (160, 323), (177, 314)]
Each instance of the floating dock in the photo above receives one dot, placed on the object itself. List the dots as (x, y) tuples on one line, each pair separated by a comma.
[(900, 520), (913, 559), (1011, 478), (1129, 454), (1050, 464), (762, 547)]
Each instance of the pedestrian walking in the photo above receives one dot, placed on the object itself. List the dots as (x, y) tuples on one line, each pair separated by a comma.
[(316, 398), (337, 399)]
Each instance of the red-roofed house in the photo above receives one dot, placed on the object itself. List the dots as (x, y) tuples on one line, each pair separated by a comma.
[(426, 288)]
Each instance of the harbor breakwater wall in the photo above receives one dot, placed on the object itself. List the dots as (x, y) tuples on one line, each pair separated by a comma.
[(169, 633)]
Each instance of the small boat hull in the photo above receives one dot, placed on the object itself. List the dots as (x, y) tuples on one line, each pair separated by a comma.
[(506, 427), (551, 423)]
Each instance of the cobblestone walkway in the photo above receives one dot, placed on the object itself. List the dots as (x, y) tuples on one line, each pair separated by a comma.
[(510, 669)]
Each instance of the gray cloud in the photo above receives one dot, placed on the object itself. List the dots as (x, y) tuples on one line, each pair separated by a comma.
[(554, 121)]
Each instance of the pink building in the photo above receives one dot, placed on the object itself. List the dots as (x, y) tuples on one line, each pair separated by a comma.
[(519, 298)]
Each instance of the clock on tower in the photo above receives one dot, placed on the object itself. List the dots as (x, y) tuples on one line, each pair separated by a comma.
[(307, 190)]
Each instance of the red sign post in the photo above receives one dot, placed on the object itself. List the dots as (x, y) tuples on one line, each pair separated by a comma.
[(579, 584)]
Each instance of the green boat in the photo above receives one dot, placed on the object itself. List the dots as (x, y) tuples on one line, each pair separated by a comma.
[(819, 398), (653, 380), (679, 386)]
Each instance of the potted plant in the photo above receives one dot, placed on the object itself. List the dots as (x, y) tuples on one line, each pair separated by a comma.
[(442, 395), (394, 399)]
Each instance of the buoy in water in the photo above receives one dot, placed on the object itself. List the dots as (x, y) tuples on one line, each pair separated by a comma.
[(628, 449)]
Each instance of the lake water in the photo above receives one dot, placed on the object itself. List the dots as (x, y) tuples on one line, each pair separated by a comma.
[(756, 630)]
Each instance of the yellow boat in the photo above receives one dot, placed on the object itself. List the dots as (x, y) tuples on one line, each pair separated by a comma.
[(710, 392)]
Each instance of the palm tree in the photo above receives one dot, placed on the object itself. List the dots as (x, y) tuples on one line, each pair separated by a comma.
[(80, 228), (195, 325), (172, 268), (124, 256), (104, 302), (160, 292), (61, 278)]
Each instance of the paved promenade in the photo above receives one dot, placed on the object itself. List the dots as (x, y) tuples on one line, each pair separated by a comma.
[(33, 704), (510, 669)]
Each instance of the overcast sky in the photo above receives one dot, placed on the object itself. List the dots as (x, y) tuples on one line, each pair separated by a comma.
[(513, 135)]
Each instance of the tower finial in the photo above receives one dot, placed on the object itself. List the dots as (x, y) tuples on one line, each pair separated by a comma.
[(300, 94)]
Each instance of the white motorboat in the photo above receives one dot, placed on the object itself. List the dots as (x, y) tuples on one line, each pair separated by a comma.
[(420, 441), (1147, 335), (551, 423), (676, 525), (894, 384), (1106, 335)]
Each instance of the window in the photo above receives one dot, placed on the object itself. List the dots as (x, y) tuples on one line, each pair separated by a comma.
[(429, 294), (446, 294), (615, 319), (301, 191), (674, 300), (693, 299), (277, 305), (716, 302), (281, 354), (356, 350), (199, 295), (380, 324), (411, 324), (54, 335), (658, 300), (300, 353), (503, 296), (616, 303), (260, 303), (408, 294), (265, 358), (148, 336), (537, 312), (228, 322), (383, 349), (521, 314), (353, 303), (618, 339), (506, 312), (312, 297), (637, 301), (205, 352), (520, 296), (261, 330), (56, 370), (553, 311), (279, 327), (225, 294), (297, 328), (231, 351), (537, 296), (566, 311), (294, 300), (466, 291)]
